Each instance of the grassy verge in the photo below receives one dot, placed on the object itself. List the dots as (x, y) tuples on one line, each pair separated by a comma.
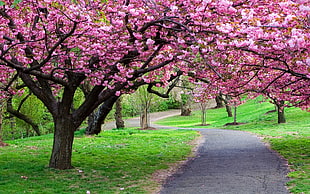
[(116, 161), (291, 140)]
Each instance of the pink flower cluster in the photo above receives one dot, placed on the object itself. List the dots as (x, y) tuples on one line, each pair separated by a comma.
[(240, 47)]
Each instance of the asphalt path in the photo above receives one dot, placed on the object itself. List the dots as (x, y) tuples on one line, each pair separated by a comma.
[(230, 162), (227, 162)]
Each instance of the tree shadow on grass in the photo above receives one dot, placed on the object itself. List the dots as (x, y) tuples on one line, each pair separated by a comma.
[(233, 123)]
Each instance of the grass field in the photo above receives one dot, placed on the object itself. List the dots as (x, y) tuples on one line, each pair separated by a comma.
[(116, 161), (291, 139)]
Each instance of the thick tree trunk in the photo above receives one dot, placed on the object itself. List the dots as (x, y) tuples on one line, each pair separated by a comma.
[(63, 141), (235, 115), (95, 122), (118, 114), (281, 114), (228, 110), (186, 111), (219, 102), (97, 118)]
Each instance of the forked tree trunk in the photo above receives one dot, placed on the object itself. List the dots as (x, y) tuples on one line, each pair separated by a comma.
[(144, 119), (63, 141)]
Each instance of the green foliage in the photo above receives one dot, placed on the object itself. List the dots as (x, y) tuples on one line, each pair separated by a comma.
[(172, 103), (78, 98), (132, 103), (184, 98), (115, 161), (290, 139), (14, 128), (15, 3)]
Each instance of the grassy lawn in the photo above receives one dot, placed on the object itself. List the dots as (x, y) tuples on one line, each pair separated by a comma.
[(291, 140), (115, 161)]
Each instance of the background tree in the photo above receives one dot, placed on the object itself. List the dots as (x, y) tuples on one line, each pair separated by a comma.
[(144, 99), (16, 113), (219, 101)]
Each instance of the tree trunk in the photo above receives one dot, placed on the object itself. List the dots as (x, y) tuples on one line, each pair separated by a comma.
[(235, 115), (63, 141), (228, 110), (203, 117), (118, 114), (186, 109), (219, 102), (281, 113), (203, 107), (144, 119), (97, 118)]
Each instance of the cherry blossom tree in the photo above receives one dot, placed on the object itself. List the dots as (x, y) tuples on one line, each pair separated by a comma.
[(54, 47), (236, 46), (262, 47)]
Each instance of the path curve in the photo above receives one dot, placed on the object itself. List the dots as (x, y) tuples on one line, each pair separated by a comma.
[(228, 162)]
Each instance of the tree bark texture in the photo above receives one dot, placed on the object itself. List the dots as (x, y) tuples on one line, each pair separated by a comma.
[(118, 114), (186, 102), (281, 113), (219, 102), (97, 119), (144, 118), (63, 141), (228, 110), (204, 117), (235, 114)]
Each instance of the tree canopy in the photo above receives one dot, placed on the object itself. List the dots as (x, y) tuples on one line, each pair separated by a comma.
[(235, 47)]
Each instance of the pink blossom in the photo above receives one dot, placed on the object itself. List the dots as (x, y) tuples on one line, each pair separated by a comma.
[(117, 93), (150, 42)]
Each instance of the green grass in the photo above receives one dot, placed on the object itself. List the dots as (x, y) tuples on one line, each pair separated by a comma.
[(291, 139), (115, 161)]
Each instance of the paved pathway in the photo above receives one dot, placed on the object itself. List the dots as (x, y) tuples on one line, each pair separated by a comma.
[(228, 162), (135, 122)]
